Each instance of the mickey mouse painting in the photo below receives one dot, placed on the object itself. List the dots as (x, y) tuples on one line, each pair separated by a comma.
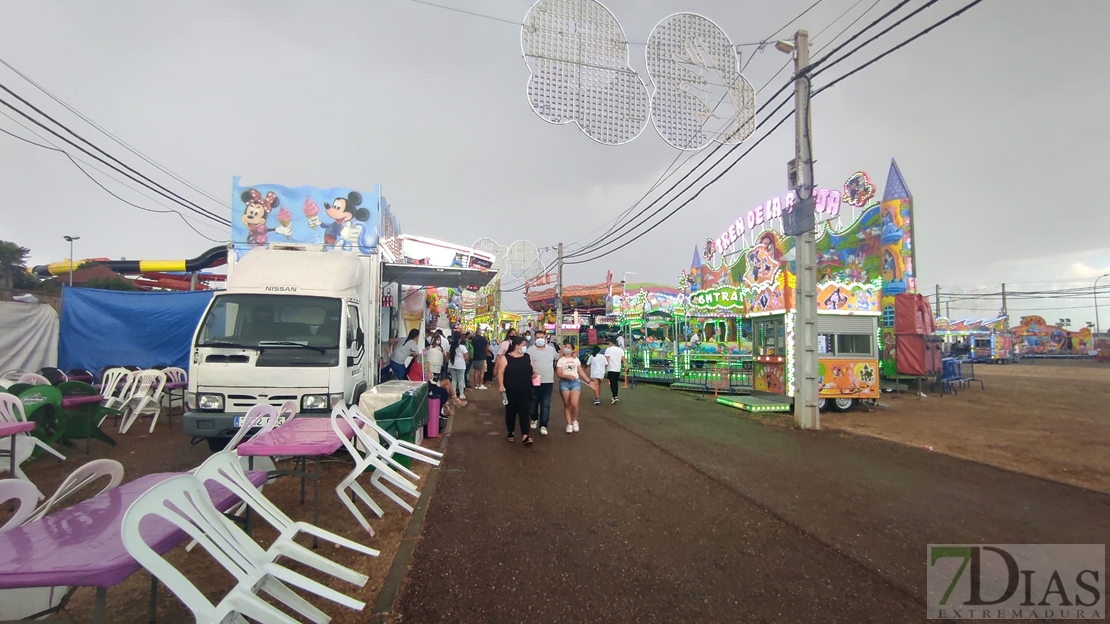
[(255, 214), (344, 232)]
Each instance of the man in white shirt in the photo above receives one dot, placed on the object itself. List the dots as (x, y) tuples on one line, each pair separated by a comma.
[(614, 355), (620, 341)]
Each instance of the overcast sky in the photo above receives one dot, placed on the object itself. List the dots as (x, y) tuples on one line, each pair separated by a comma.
[(997, 120)]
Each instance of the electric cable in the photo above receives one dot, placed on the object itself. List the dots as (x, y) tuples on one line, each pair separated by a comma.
[(852, 72), (107, 190), (150, 184), (115, 138)]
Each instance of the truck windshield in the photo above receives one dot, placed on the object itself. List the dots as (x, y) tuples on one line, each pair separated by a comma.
[(280, 327)]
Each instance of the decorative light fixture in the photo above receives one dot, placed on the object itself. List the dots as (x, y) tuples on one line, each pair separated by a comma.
[(578, 59), (700, 95)]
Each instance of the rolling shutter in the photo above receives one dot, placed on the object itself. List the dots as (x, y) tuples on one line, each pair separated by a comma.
[(837, 324)]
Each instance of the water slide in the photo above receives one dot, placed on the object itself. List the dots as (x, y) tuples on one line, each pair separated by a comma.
[(155, 269)]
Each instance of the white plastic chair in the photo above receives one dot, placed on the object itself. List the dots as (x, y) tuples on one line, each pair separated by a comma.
[(364, 462), (260, 415), (115, 387), (78, 479), (225, 469), (288, 409), (393, 446), (11, 410), (27, 495), (34, 379), (174, 375), (13, 375), (145, 399), (184, 502)]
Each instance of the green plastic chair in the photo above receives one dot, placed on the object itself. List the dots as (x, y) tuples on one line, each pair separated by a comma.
[(43, 406), (83, 421)]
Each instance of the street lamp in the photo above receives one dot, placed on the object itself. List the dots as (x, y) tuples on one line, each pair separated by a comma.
[(1094, 292), (71, 239), (624, 279)]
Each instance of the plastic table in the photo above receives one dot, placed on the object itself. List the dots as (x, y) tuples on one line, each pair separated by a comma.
[(302, 438), (81, 546)]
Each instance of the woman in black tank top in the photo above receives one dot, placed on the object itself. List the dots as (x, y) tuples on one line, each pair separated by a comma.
[(514, 374)]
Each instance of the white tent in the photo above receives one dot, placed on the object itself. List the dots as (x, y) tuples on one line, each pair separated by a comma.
[(28, 336)]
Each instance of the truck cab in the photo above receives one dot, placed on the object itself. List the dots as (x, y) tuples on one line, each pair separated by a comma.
[(291, 326)]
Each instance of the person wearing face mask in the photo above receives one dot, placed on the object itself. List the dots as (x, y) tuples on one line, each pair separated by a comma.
[(504, 347), (569, 370), (528, 338), (543, 359)]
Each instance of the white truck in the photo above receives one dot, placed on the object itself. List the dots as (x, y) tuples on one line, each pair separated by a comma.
[(297, 322)]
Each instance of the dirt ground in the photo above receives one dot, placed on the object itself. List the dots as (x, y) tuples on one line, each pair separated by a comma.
[(168, 450), (1049, 419)]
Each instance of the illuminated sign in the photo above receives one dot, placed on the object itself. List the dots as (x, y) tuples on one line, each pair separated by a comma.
[(826, 206), (722, 297)]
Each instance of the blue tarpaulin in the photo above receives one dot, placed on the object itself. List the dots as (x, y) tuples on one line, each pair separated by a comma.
[(108, 327)]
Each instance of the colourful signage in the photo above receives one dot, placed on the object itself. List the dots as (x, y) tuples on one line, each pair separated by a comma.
[(826, 206)]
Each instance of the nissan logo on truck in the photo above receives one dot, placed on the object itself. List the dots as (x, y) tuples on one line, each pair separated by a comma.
[(281, 289)]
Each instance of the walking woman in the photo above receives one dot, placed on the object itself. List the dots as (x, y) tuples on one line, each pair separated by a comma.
[(597, 366), (514, 374), (457, 360), (568, 369)]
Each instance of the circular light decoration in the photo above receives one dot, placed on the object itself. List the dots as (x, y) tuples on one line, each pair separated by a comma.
[(858, 190), (700, 95), (578, 57), (710, 249)]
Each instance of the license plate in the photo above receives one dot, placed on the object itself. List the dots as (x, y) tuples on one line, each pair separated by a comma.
[(263, 422)]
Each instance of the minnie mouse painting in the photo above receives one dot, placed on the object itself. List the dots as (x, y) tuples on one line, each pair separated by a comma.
[(343, 231), (256, 212)]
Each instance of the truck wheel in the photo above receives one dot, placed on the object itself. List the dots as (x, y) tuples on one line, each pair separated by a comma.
[(842, 404), (822, 404), (217, 444)]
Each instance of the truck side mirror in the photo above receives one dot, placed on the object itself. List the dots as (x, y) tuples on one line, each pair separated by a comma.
[(360, 339)]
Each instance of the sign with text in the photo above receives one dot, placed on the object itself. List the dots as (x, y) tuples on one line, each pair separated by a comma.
[(826, 206), (1016, 581)]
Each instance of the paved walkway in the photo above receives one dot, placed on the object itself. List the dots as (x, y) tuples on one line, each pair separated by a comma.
[(665, 508)]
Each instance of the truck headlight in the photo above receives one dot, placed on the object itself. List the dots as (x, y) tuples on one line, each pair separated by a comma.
[(210, 402), (319, 402), (314, 402)]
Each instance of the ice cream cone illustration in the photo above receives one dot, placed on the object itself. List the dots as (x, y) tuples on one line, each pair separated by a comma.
[(285, 221), (311, 210), (413, 307)]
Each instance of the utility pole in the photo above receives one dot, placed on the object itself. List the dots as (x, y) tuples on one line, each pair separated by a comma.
[(1005, 312), (806, 414), (947, 311), (559, 301), (937, 302), (71, 239)]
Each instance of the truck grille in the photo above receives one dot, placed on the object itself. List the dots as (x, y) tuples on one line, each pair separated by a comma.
[(243, 402)]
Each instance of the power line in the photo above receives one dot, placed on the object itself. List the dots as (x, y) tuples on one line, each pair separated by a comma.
[(118, 140), (677, 195), (859, 34), (519, 24), (872, 39), (150, 184), (775, 34), (601, 241), (899, 46), (695, 196), (77, 164), (846, 28)]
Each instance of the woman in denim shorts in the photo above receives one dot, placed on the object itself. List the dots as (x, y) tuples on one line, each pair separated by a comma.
[(570, 386)]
